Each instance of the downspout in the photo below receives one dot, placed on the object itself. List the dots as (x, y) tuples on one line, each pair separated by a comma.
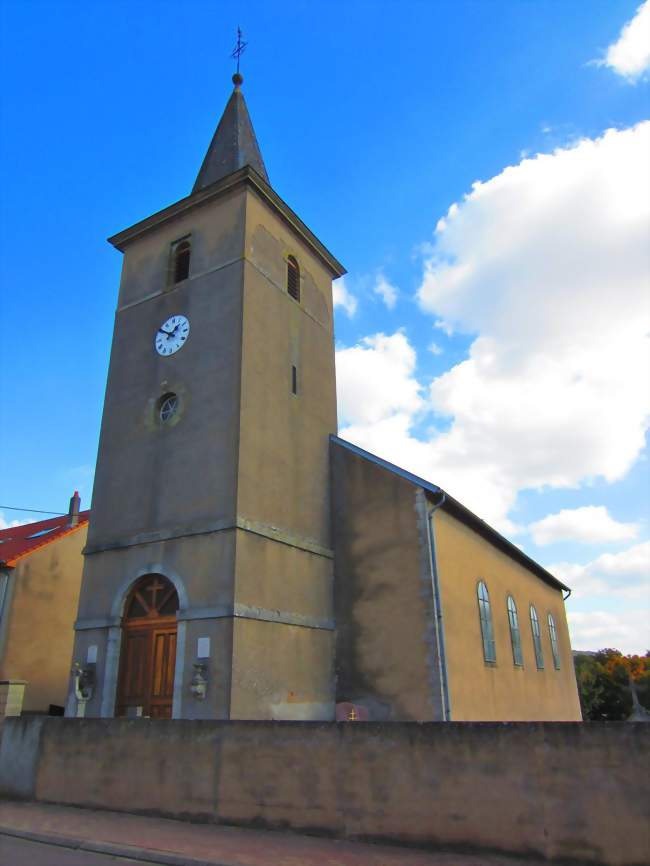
[(437, 607)]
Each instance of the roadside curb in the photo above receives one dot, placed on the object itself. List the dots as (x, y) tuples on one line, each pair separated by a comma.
[(132, 852)]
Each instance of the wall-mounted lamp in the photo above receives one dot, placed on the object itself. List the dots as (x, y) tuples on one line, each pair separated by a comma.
[(199, 683)]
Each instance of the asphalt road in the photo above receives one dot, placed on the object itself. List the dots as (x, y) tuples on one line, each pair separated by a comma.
[(23, 852)]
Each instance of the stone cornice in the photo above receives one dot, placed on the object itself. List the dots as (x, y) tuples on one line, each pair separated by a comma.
[(245, 176)]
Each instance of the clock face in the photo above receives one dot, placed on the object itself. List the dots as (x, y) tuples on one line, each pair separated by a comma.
[(172, 335)]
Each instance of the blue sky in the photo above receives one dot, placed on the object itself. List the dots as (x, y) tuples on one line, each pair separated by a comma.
[(502, 352)]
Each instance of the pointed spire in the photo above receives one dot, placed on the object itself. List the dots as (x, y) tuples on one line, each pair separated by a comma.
[(234, 144)]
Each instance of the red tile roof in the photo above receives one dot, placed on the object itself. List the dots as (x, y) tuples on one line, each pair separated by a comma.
[(16, 542)]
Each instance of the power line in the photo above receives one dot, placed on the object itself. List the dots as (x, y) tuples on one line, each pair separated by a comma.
[(34, 510)]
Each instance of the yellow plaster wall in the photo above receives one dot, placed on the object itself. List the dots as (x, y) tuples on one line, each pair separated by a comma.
[(385, 640), (283, 443), (480, 691), (39, 634), (281, 672), (147, 477), (282, 578), (215, 231)]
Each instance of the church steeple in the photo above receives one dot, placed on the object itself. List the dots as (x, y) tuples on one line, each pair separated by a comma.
[(234, 144)]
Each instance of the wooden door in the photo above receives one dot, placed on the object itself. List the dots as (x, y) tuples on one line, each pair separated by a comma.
[(148, 658)]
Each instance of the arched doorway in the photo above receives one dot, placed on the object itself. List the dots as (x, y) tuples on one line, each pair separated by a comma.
[(148, 657)]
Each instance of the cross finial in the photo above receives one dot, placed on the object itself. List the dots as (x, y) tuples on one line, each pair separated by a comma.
[(239, 49)]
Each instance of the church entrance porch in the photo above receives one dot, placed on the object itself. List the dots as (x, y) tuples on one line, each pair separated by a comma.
[(148, 656)]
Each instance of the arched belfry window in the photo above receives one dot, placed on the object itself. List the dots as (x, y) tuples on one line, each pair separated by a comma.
[(293, 278), (485, 617), (537, 638), (181, 261), (152, 597), (515, 636)]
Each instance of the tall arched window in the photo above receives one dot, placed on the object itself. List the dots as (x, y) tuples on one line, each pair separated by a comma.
[(552, 632), (537, 638), (181, 264), (293, 278), (515, 636), (485, 617)]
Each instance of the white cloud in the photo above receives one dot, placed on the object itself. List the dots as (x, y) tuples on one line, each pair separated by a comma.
[(548, 264), (591, 524), (375, 380), (387, 292), (343, 297), (435, 349), (444, 326), (9, 524), (625, 574), (628, 632), (380, 400), (629, 56)]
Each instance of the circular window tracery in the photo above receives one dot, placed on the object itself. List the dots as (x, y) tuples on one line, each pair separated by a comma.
[(168, 407)]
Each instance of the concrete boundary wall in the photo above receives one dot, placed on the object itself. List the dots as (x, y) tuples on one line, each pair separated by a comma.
[(568, 792)]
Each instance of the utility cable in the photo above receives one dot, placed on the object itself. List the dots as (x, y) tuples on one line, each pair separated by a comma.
[(34, 510)]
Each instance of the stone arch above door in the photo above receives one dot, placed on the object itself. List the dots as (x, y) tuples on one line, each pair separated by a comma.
[(123, 591)]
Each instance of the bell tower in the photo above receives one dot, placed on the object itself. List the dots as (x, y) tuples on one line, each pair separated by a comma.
[(211, 493)]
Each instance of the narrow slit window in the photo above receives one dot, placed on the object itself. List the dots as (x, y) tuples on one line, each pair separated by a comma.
[(552, 632), (293, 278), (485, 618), (182, 261), (294, 380), (537, 638), (515, 636)]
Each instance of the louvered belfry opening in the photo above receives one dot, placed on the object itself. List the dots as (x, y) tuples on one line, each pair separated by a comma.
[(293, 278), (182, 261)]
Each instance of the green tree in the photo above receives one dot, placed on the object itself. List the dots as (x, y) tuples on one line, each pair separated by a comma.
[(607, 681)]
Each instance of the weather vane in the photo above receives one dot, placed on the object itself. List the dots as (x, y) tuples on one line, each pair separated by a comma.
[(239, 49)]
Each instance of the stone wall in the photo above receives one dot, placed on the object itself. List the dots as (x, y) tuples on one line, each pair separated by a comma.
[(567, 792)]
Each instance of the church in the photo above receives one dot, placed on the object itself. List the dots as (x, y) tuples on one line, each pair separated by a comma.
[(243, 561)]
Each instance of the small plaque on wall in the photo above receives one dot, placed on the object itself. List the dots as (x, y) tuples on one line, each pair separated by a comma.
[(203, 648), (91, 655)]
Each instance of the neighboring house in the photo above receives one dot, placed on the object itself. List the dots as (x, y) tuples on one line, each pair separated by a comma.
[(40, 577)]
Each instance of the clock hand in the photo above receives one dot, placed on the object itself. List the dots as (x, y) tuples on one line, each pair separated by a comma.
[(168, 333)]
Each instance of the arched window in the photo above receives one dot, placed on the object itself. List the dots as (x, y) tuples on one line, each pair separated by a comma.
[(515, 636), (552, 632), (293, 278), (485, 617), (181, 265), (537, 638), (153, 596)]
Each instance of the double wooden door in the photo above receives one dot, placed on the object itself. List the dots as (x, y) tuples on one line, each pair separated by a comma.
[(148, 657)]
